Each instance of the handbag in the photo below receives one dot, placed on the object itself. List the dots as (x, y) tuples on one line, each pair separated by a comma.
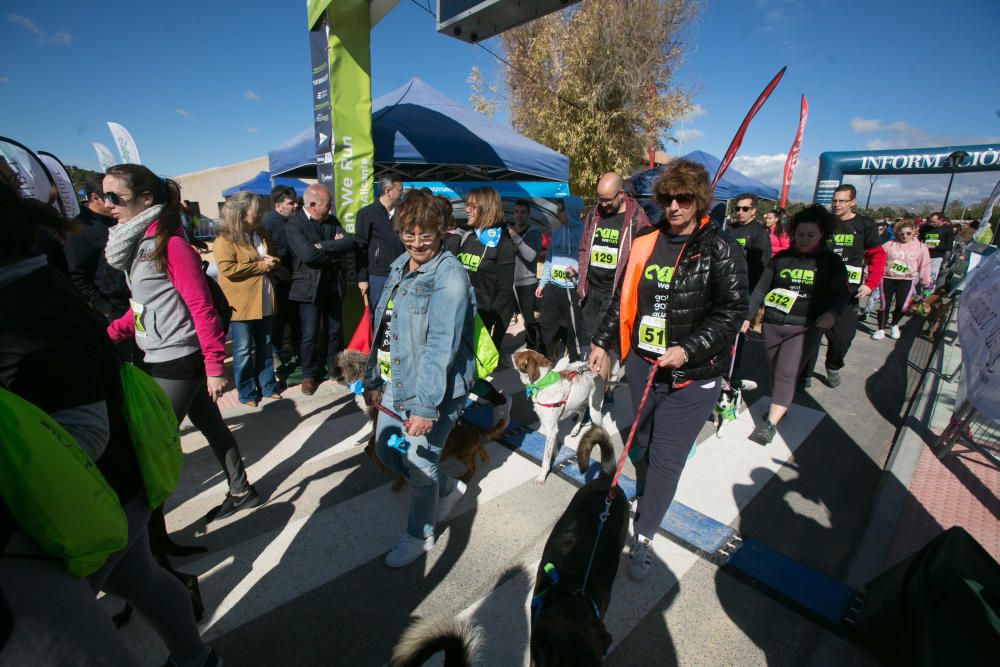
[(54, 490), (152, 426)]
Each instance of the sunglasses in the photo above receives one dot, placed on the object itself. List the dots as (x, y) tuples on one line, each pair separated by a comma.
[(115, 198), (424, 238), (683, 200), (608, 200), (744, 209)]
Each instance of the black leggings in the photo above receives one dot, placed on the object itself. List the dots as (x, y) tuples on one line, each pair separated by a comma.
[(668, 426), (788, 347), (893, 290)]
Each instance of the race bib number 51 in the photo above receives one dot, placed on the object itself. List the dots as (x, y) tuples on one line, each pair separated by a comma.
[(653, 334), (781, 299)]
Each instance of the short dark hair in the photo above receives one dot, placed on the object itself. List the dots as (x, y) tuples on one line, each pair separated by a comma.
[(94, 185), (935, 213), (814, 215), (747, 195), (280, 192), (526, 203), (847, 187)]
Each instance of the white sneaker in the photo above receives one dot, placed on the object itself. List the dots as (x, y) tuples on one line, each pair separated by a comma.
[(640, 561), (447, 503), (408, 550), (747, 385), (894, 332), (879, 334)]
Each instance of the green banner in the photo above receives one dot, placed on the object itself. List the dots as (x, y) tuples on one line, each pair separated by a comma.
[(314, 9), (351, 102)]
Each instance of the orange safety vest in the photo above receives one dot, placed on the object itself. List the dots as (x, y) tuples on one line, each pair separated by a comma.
[(642, 248)]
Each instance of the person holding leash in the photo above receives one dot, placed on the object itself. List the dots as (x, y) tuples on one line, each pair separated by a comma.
[(673, 320), (421, 368), (803, 290)]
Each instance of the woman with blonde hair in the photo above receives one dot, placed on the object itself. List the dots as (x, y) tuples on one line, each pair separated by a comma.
[(246, 274), (907, 265), (487, 253)]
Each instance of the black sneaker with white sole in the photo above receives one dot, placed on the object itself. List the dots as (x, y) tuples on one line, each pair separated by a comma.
[(233, 504), (764, 433)]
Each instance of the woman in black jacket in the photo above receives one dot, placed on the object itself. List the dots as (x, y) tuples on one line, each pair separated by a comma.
[(803, 290), (487, 253), (676, 312)]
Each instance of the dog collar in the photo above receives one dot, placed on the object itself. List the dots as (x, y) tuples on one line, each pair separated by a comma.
[(546, 380), (536, 601)]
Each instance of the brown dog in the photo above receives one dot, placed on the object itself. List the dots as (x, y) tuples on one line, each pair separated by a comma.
[(465, 442)]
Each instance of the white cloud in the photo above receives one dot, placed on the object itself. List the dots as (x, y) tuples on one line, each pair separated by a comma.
[(252, 96), (865, 125), (900, 134), (769, 170), (695, 111), (689, 134), (60, 37), (184, 113), (252, 130)]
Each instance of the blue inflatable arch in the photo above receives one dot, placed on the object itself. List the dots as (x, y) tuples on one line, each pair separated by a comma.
[(938, 160)]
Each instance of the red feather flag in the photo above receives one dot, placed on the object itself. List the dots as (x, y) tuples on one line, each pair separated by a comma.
[(793, 154), (738, 139), (362, 339)]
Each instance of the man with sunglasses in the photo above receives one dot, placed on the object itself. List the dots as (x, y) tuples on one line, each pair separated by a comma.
[(285, 202), (751, 235), (856, 240), (604, 248), (317, 242), (103, 286)]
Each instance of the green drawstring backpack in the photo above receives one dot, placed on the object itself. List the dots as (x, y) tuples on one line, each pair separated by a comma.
[(152, 426), (55, 491), (483, 349)]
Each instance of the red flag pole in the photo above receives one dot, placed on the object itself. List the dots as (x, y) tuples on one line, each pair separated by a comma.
[(793, 153), (738, 139)]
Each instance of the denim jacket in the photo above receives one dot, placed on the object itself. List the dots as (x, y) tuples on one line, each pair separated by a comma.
[(431, 357)]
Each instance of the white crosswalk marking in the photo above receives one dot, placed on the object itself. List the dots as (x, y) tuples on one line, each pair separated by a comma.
[(313, 536)]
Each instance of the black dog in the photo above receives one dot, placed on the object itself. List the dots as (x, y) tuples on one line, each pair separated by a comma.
[(566, 619)]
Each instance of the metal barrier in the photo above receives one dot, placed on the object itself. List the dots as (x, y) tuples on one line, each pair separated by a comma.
[(972, 429)]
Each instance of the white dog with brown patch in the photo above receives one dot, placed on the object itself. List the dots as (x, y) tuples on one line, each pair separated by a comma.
[(556, 394)]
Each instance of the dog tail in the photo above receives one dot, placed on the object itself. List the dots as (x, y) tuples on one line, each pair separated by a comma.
[(596, 435), (459, 639)]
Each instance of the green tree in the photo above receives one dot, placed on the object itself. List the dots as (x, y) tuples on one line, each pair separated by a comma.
[(956, 209), (594, 81), (78, 175)]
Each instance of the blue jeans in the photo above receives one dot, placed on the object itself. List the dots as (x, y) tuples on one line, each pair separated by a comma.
[(419, 466), (253, 364), (315, 355)]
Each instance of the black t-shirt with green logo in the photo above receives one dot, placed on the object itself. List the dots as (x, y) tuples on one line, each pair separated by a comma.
[(792, 284), (649, 334), (604, 252), (938, 240), (849, 241)]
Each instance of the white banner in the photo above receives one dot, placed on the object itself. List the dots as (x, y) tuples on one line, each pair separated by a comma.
[(64, 184), (125, 143), (104, 156), (979, 334), (32, 179)]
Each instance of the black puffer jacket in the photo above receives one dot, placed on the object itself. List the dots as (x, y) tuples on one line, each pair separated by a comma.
[(708, 301)]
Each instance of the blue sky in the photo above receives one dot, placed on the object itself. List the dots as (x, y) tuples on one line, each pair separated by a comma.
[(201, 84)]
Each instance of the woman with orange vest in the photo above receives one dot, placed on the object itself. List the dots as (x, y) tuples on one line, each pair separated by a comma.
[(677, 311)]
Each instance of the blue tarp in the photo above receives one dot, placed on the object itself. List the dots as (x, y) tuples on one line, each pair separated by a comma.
[(416, 125), (261, 185), (733, 182)]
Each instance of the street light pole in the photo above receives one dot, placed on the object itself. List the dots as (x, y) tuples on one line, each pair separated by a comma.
[(954, 159)]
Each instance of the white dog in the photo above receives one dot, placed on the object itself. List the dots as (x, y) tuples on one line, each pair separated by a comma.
[(556, 394)]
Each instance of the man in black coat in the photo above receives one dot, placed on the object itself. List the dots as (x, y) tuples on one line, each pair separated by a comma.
[(102, 286), (378, 244), (317, 241), (286, 202)]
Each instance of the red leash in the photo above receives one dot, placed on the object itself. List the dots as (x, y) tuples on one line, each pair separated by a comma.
[(381, 408), (631, 433)]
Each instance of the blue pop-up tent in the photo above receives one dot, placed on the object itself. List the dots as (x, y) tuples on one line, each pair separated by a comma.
[(261, 185), (733, 183), (423, 135)]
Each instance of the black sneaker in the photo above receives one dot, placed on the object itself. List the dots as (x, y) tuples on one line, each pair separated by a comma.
[(803, 384), (764, 433), (832, 377), (233, 504)]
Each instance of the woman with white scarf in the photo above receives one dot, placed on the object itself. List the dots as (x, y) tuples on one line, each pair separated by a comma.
[(172, 319)]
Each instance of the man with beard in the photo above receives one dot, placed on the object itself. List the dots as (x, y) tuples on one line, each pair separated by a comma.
[(608, 231)]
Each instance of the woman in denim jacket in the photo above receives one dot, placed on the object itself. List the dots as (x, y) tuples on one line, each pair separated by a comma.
[(421, 367)]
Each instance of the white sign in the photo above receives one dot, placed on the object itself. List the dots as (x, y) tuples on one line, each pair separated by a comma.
[(979, 334), (64, 184), (125, 143), (104, 156)]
